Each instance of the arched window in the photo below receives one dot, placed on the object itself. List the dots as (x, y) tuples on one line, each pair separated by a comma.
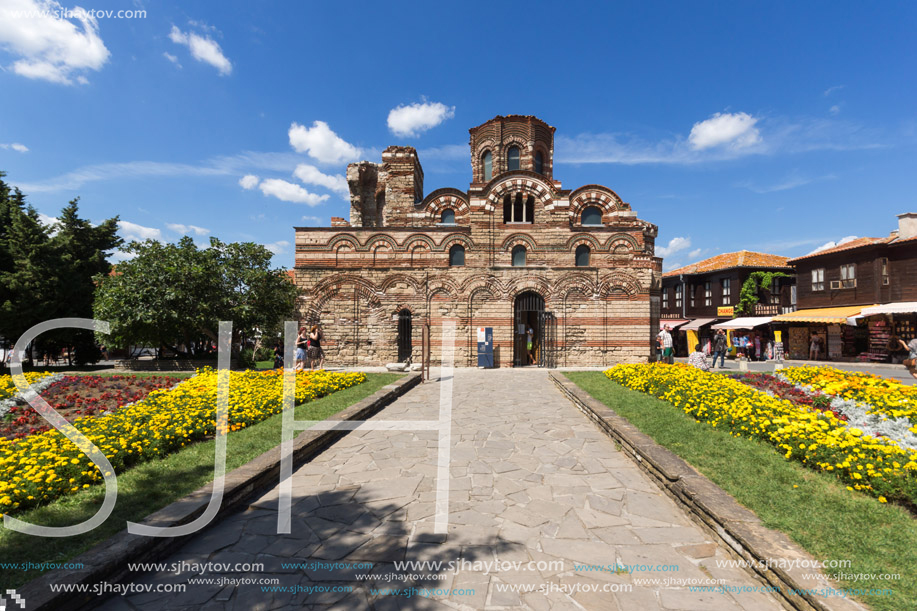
[(448, 217), (488, 161), (592, 215), (519, 256), (512, 158), (539, 162), (518, 209), (582, 256), (457, 255)]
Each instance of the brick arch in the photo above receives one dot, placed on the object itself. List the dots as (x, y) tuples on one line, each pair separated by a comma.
[(339, 239), (416, 238), (620, 281), (452, 199), (531, 283), (456, 238), (401, 307), (519, 238), (583, 283), (595, 195), (584, 238), (396, 278), (483, 282), (487, 144), (622, 239), (443, 284), (372, 242), (328, 288), (523, 181)]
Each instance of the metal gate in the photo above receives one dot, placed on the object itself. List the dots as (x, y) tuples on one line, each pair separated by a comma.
[(405, 346), (528, 312), (548, 354)]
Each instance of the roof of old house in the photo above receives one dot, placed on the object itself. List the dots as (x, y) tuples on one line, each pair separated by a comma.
[(729, 260), (857, 243)]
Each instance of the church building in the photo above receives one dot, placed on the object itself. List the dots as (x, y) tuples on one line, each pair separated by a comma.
[(563, 277)]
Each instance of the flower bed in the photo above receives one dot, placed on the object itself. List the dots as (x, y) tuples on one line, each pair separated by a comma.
[(8, 389), (818, 439), (883, 396), (45, 466), (80, 396)]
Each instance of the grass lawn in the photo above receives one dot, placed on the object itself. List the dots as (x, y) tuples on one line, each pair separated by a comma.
[(152, 485), (819, 514)]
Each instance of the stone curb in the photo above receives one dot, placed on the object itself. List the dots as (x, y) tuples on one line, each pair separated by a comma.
[(713, 507), (107, 561)]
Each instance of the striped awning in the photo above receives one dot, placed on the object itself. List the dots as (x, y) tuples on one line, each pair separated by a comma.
[(900, 307), (697, 323), (673, 323), (838, 315)]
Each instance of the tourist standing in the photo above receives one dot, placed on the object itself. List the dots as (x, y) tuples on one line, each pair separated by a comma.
[(530, 344), (302, 343), (697, 359), (665, 338), (815, 348), (315, 347), (720, 346)]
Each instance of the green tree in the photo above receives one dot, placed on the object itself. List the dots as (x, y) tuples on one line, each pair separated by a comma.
[(47, 272), (749, 295), (171, 294)]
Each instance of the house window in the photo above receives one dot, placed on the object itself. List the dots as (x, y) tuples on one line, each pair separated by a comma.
[(726, 284), (539, 162), (665, 299), (512, 158), (679, 293), (518, 210), (818, 279), (691, 292), (885, 279), (448, 217), (708, 294), (582, 256), (849, 276), (457, 256), (518, 256), (592, 215), (488, 161)]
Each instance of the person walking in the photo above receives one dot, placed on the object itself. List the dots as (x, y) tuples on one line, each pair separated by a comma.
[(697, 359), (315, 348), (530, 345), (665, 338), (720, 346), (910, 363)]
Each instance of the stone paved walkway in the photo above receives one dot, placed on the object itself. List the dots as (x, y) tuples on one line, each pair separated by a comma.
[(532, 481)]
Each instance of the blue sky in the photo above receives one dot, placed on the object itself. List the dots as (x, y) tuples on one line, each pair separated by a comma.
[(775, 126)]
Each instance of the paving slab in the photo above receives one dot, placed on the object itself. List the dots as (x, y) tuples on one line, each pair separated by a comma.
[(544, 513)]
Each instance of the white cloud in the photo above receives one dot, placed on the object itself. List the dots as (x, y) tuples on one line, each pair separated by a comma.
[(790, 182), (410, 121), (836, 109), (248, 182), (51, 48), (695, 253), (313, 219), (311, 175), (15, 146), (322, 144), (675, 244), (288, 192), (132, 231), (735, 129), (828, 245), (186, 229), (279, 247), (203, 49), (121, 255), (831, 90), (171, 58)]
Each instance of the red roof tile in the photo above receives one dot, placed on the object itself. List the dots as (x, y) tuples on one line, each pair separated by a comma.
[(742, 258), (857, 243)]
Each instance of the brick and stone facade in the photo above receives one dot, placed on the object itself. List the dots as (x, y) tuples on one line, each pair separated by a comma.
[(397, 265)]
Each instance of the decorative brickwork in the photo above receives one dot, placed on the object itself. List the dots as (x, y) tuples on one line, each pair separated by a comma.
[(395, 256)]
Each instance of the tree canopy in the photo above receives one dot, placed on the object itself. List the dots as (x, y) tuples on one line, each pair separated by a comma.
[(172, 294), (47, 272), (749, 294)]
